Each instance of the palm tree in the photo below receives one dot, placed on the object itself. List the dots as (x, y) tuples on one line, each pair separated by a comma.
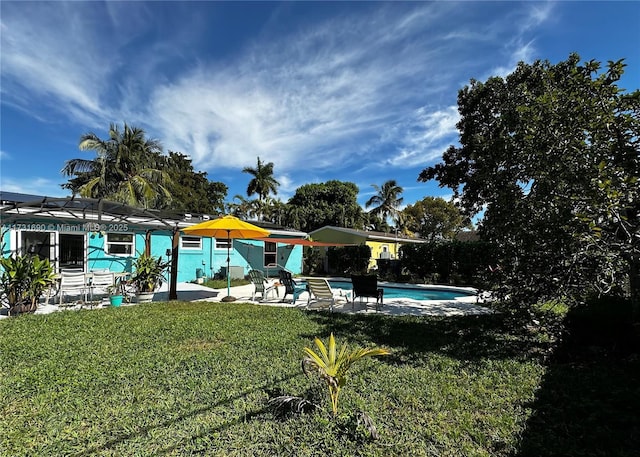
[(128, 168), (332, 364), (386, 201), (263, 183), (243, 208), (273, 210)]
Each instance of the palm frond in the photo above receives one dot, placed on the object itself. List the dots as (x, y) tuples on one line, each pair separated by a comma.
[(75, 166)]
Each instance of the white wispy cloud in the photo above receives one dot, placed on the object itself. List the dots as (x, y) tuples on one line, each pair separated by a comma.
[(339, 92), (33, 185), (372, 87), (519, 48), (41, 64), (432, 131)]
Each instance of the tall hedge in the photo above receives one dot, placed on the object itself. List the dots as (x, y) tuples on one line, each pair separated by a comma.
[(344, 260), (450, 262)]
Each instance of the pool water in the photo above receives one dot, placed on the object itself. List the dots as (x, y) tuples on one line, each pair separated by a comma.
[(412, 292)]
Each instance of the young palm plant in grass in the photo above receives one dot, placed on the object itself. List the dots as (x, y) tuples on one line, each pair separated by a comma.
[(332, 365)]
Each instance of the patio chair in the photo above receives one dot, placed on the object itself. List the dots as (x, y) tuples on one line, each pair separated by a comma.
[(322, 293), (101, 281), (72, 283), (290, 286), (367, 286), (262, 286)]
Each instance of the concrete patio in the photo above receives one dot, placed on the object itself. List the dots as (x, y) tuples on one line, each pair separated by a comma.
[(243, 294)]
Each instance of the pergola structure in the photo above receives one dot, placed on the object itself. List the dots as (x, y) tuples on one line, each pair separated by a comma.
[(96, 212)]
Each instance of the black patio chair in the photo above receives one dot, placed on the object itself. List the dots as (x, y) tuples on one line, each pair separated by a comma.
[(367, 286)]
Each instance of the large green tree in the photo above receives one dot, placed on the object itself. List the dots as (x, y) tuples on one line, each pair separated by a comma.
[(330, 203), (551, 152), (192, 191), (128, 168), (386, 201), (263, 183), (434, 218)]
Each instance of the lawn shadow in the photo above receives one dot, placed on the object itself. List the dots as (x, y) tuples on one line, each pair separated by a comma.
[(143, 431), (412, 339), (589, 401), (187, 295)]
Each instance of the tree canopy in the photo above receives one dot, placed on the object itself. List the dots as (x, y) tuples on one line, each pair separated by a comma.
[(434, 218), (128, 168), (131, 169), (551, 152), (192, 191), (330, 203)]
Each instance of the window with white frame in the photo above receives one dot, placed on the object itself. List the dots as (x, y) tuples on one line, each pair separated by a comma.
[(270, 253), (191, 242), (119, 244), (223, 243)]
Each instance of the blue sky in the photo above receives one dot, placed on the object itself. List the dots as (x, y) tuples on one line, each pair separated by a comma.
[(356, 91)]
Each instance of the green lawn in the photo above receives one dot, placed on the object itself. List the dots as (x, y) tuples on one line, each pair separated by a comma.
[(195, 378)]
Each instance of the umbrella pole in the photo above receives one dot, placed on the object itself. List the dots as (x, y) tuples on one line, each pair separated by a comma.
[(228, 297)]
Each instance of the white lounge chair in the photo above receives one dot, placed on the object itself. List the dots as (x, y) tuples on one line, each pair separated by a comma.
[(320, 293)]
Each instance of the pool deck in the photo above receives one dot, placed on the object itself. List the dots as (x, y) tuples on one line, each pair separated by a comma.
[(392, 307)]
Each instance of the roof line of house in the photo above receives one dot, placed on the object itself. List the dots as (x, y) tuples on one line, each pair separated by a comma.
[(66, 210), (372, 235)]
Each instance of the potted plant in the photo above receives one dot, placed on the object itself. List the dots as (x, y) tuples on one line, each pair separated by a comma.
[(116, 292), (23, 280), (148, 276)]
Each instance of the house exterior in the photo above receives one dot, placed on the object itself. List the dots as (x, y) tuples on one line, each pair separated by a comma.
[(94, 234), (384, 246)]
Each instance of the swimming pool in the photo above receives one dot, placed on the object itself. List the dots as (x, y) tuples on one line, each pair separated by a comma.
[(413, 291)]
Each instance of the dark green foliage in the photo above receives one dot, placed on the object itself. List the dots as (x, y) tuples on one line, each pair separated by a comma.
[(344, 260), (23, 279), (192, 192), (195, 379), (434, 218), (331, 203), (313, 261), (470, 263), (130, 168), (551, 152)]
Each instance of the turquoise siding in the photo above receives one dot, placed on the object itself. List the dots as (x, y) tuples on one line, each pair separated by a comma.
[(248, 254)]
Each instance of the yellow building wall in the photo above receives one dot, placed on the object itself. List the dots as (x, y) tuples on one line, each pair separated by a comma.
[(378, 248)]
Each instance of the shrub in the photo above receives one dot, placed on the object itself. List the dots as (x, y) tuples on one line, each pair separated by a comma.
[(23, 280), (349, 259)]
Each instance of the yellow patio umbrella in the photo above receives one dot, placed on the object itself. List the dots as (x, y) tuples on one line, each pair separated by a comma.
[(229, 227)]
